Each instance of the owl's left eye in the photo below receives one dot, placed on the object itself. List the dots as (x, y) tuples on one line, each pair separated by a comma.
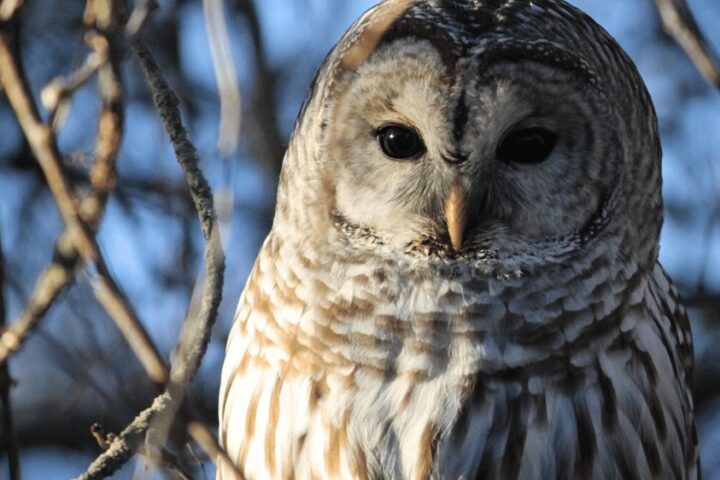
[(400, 142)]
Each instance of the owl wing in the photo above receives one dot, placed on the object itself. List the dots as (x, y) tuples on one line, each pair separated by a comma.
[(679, 335), (265, 409), (671, 308)]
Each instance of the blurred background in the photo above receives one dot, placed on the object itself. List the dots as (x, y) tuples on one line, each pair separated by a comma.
[(77, 369)]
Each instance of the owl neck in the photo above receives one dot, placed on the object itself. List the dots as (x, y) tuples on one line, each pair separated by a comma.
[(359, 307)]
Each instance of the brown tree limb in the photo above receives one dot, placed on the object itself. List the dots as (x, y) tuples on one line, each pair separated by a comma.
[(197, 328), (209, 445), (8, 8), (43, 144), (50, 284), (124, 446), (680, 24), (225, 75), (167, 459), (81, 220), (8, 439), (57, 92)]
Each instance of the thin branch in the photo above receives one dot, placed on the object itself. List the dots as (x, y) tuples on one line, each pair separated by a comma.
[(167, 105), (43, 144), (121, 311), (168, 459), (173, 463), (141, 12), (124, 446), (197, 328), (56, 94), (226, 78), (79, 228), (680, 23), (82, 218), (210, 446), (51, 283), (8, 8), (8, 439)]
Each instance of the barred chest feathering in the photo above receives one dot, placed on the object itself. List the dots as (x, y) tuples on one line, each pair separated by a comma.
[(338, 369)]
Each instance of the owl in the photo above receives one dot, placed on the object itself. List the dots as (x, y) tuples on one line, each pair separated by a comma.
[(462, 278)]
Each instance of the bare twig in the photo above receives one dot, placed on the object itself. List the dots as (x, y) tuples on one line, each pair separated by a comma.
[(55, 277), (227, 82), (54, 280), (8, 438), (173, 463), (58, 275), (104, 440), (43, 144), (197, 329), (141, 12), (681, 25), (8, 8), (58, 91), (51, 283), (207, 442), (122, 312), (167, 106), (79, 230), (124, 446), (78, 242)]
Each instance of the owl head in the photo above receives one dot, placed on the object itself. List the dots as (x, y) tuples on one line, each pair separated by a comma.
[(507, 129)]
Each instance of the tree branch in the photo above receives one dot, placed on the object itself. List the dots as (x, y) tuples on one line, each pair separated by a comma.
[(197, 328), (680, 24), (9, 440), (207, 442), (80, 220), (124, 446)]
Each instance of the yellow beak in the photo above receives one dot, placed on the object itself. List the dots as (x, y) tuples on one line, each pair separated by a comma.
[(456, 214)]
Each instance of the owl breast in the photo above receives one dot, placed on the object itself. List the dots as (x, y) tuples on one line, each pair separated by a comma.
[(357, 372)]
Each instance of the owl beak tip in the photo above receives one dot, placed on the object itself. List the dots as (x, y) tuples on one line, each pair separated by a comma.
[(456, 215)]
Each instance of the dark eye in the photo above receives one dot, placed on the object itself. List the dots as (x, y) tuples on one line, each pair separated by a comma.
[(400, 142), (529, 146)]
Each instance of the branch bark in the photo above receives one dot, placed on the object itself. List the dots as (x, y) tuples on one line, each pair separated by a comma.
[(680, 24), (124, 446), (154, 422), (81, 219), (9, 440)]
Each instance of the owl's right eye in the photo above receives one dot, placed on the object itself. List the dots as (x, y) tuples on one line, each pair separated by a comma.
[(530, 146), (400, 142)]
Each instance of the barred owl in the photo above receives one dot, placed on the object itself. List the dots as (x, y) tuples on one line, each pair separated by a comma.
[(462, 276)]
